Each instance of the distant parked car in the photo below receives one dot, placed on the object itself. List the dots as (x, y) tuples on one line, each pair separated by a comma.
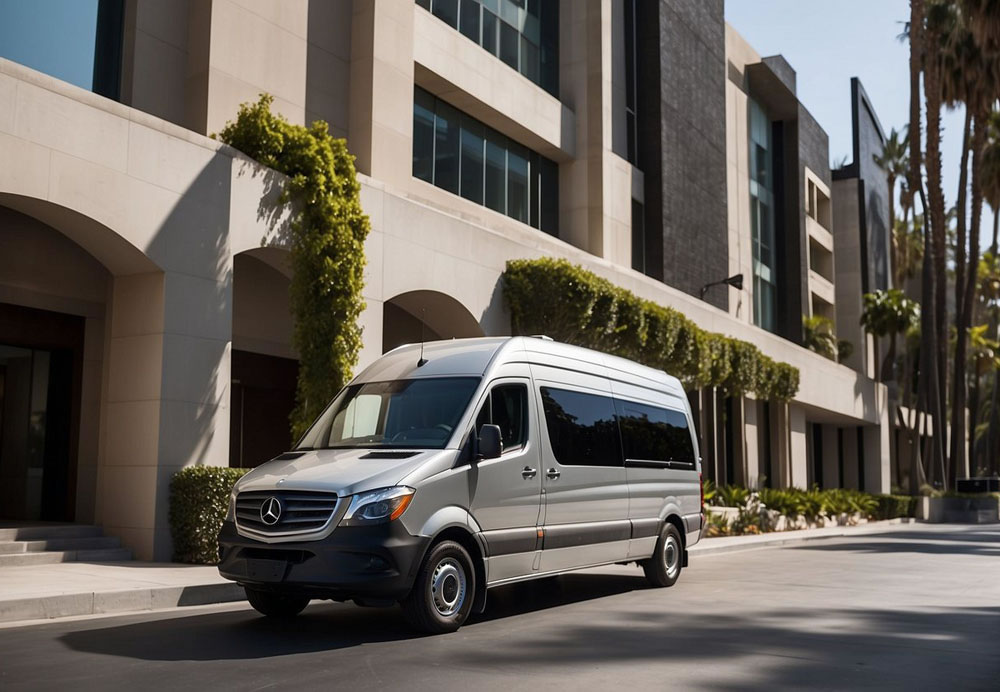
[(449, 468)]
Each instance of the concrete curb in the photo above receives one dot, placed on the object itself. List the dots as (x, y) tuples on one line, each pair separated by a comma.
[(124, 601), (733, 544)]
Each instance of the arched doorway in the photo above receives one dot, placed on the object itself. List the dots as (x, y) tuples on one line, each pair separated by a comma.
[(264, 364), (425, 316), (58, 274)]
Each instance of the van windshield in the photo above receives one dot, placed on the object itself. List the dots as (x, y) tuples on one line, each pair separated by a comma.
[(419, 413)]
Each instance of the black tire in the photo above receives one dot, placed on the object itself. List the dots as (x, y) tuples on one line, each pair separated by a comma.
[(442, 594), (664, 568), (276, 605)]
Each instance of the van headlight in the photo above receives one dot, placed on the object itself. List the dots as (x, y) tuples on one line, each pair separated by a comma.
[(378, 506)]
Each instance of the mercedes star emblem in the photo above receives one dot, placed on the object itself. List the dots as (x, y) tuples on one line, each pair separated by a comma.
[(270, 511)]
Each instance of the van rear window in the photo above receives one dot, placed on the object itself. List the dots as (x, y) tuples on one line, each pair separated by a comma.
[(651, 433)]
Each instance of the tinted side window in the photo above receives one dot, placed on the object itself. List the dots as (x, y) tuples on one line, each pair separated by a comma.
[(507, 406), (651, 433), (582, 428)]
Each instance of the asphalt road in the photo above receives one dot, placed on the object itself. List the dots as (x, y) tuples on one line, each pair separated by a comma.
[(917, 608)]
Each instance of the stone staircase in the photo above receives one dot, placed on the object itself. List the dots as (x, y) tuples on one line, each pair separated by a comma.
[(43, 544)]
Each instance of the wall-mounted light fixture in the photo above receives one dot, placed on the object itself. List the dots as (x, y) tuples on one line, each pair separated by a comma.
[(735, 281)]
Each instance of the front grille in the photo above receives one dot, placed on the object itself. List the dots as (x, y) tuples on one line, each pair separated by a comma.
[(301, 511)]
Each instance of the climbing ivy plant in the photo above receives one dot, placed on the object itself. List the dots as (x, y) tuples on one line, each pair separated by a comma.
[(327, 235), (568, 303)]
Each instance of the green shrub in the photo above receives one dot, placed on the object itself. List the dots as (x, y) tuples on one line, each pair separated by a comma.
[(571, 304), (731, 496), (199, 500), (894, 506), (708, 491)]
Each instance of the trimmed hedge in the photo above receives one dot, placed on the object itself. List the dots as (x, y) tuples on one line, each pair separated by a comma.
[(895, 506), (571, 304), (199, 500)]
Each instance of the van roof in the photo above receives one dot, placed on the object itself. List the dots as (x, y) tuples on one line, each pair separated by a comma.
[(473, 357)]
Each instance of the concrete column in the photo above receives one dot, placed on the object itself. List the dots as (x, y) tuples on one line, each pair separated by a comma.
[(780, 446), (380, 131), (130, 426), (831, 457), (737, 424), (798, 459), (877, 457), (751, 448), (90, 419)]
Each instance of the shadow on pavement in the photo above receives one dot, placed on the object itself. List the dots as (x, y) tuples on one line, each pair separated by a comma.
[(322, 626)]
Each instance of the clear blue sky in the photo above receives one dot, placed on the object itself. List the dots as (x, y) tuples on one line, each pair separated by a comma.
[(51, 36), (828, 43)]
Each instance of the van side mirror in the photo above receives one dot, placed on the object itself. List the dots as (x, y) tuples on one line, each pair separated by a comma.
[(490, 442)]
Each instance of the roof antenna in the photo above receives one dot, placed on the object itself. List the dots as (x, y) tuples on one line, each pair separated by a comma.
[(423, 326)]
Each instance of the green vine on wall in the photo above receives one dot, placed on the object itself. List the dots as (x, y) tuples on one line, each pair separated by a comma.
[(328, 232), (568, 303)]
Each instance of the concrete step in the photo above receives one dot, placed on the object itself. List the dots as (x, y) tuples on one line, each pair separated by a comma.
[(43, 532), (53, 557), (59, 544)]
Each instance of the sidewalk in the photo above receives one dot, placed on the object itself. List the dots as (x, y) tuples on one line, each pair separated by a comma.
[(77, 588)]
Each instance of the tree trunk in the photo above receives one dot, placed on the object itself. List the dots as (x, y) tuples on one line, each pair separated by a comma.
[(965, 296), (935, 197)]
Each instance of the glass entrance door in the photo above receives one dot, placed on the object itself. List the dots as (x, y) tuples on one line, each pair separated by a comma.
[(35, 408)]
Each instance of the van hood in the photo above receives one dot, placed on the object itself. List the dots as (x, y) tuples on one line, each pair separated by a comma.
[(341, 471)]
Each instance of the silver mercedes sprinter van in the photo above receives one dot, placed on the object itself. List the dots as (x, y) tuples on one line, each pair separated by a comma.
[(447, 469)]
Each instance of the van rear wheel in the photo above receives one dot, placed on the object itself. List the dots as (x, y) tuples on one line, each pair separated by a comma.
[(443, 592), (276, 605), (664, 567)]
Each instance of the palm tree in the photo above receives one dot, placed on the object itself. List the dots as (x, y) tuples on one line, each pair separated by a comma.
[(887, 314), (893, 160), (818, 336)]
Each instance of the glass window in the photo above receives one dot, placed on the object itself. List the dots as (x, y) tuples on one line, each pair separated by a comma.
[(469, 19), (507, 407), (496, 172), (491, 25), (582, 428), (413, 414), (458, 153), (447, 11), (423, 136), (508, 44), (517, 183), (651, 433), (426, 4), (529, 60), (446, 147), (762, 218), (77, 41), (473, 142)]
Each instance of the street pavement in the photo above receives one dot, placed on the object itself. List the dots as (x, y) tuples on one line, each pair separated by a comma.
[(914, 608)]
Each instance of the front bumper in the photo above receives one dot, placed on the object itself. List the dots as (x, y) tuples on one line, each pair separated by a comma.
[(358, 562)]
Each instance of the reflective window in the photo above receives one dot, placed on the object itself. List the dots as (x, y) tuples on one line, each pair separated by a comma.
[(415, 414), (582, 428), (762, 218), (651, 433), (462, 155), (77, 41), (522, 33), (507, 407)]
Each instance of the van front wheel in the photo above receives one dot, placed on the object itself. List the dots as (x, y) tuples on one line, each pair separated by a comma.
[(276, 605), (664, 567), (445, 587)]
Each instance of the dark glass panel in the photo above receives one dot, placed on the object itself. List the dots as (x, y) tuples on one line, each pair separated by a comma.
[(472, 159), (490, 27), (529, 60), (446, 147), (469, 19), (508, 44), (582, 428), (447, 11), (423, 135), (517, 182), (496, 171), (549, 190)]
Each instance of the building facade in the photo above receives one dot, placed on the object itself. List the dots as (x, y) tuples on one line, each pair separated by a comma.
[(144, 322)]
